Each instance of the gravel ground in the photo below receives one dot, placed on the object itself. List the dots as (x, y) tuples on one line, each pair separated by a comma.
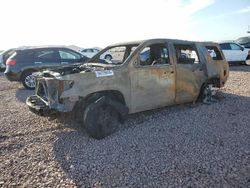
[(181, 146)]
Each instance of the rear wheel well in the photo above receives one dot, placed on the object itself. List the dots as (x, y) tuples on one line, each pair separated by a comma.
[(26, 71), (214, 81)]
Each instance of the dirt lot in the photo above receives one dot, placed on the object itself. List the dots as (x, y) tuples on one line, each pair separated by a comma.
[(179, 146)]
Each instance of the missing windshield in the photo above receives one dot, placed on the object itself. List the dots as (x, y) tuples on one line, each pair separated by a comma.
[(115, 55)]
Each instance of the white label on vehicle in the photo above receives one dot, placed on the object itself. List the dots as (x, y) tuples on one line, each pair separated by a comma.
[(103, 73)]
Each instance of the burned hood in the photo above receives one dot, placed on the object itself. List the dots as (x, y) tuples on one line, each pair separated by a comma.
[(73, 69)]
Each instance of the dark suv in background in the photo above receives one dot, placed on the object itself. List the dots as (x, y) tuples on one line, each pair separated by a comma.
[(25, 61)]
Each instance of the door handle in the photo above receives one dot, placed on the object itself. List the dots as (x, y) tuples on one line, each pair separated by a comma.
[(170, 72), (197, 70), (37, 62)]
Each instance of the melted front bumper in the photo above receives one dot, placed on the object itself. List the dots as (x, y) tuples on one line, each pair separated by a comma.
[(38, 106)]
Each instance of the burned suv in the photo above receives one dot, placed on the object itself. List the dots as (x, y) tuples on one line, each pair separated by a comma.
[(142, 75)]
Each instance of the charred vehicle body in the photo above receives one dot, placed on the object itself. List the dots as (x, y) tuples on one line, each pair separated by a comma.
[(142, 75)]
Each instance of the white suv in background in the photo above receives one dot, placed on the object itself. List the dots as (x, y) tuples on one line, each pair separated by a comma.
[(90, 52), (235, 53)]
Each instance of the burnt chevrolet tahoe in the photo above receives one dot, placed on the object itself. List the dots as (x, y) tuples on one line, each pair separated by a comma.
[(141, 76)]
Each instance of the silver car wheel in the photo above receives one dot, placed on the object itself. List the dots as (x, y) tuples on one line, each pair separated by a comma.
[(30, 81)]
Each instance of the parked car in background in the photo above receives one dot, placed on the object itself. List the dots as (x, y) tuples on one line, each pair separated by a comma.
[(4, 56), (244, 41), (25, 61), (235, 53), (2, 66), (143, 75), (90, 52)]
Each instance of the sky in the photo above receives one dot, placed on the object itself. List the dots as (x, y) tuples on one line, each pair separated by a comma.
[(98, 23)]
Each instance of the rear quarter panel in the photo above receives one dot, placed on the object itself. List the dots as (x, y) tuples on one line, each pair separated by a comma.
[(215, 68)]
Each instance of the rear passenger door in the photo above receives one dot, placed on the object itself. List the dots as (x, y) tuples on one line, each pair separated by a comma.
[(189, 72), (68, 56), (46, 57)]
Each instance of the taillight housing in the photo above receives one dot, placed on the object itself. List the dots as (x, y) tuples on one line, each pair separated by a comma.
[(11, 62)]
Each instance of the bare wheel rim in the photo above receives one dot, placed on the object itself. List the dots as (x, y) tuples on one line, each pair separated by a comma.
[(207, 93), (30, 81)]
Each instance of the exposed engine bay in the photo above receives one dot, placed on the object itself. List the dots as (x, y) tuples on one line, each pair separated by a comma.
[(88, 67), (50, 85)]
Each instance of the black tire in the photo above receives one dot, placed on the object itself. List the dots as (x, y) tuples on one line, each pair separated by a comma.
[(24, 80), (247, 62), (100, 120), (108, 57)]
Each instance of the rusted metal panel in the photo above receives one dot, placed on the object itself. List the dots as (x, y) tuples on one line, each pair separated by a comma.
[(152, 87)]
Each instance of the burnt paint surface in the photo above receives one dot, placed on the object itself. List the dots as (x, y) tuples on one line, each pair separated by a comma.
[(151, 87), (189, 79)]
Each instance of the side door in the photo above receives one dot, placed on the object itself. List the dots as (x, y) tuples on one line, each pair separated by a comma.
[(190, 73), (239, 54), (68, 56), (46, 57), (152, 78), (227, 51)]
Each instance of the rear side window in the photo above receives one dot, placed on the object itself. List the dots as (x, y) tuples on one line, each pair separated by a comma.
[(7, 54), (225, 46), (46, 54), (67, 54), (26, 54), (214, 52), (186, 54)]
